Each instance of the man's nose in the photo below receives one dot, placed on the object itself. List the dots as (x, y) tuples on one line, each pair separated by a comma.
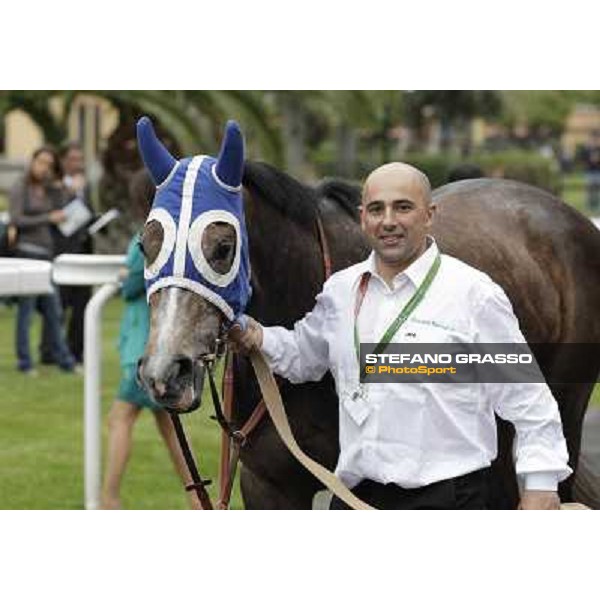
[(389, 220)]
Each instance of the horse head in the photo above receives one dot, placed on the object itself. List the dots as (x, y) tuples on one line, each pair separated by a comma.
[(197, 269)]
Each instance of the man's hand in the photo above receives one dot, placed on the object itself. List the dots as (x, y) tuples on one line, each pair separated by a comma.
[(539, 500), (248, 339)]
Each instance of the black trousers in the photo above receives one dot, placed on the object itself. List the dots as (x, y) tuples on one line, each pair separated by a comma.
[(467, 492)]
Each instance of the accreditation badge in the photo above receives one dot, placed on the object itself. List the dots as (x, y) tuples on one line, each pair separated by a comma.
[(355, 403)]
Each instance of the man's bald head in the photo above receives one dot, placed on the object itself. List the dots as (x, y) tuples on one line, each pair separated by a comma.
[(397, 178), (396, 215)]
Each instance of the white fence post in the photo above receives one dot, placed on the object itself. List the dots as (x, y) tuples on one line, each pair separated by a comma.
[(99, 270), (92, 407)]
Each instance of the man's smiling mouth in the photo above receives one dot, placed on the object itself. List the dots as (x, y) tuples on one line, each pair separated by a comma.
[(391, 239)]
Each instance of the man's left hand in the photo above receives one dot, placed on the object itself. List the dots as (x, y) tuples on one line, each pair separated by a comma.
[(539, 500)]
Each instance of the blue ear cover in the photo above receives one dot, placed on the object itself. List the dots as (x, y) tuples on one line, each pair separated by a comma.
[(230, 164), (156, 157)]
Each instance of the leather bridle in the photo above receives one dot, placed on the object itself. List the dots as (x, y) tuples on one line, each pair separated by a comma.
[(232, 439)]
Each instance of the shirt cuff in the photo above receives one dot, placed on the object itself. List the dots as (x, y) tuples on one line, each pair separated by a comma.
[(545, 481), (269, 343)]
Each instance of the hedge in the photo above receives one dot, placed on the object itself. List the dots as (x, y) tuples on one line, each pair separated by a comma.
[(515, 164)]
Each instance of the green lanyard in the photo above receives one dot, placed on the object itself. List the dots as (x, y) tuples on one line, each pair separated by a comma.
[(402, 316)]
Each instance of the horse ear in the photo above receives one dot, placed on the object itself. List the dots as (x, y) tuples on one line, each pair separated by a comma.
[(156, 157), (230, 164)]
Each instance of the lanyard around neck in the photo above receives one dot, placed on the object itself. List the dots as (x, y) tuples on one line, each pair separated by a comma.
[(410, 306)]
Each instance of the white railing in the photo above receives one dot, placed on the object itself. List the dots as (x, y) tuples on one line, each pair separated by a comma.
[(103, 271), (19, 277)]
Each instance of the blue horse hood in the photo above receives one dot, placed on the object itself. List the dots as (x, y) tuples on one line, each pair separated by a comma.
[(190, 198)]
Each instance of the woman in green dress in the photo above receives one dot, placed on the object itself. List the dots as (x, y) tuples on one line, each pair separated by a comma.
[(131, 398)]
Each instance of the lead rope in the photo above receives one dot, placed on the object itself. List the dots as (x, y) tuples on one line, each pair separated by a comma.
[(231, 446)]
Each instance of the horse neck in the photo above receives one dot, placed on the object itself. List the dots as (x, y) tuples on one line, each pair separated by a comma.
[(287, 264)]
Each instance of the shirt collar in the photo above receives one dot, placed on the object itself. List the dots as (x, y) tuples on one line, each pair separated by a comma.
[(416, 271)]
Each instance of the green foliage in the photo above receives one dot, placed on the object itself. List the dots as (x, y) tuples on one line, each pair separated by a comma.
[(451, 105), (435, 166), (544, 111), (522, 166)]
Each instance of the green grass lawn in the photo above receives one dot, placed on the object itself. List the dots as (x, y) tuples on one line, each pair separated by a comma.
[(41, 437)]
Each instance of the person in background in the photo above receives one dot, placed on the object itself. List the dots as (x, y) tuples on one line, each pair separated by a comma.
[(74, 298), (35, 208), (591, 162), (131, 398)]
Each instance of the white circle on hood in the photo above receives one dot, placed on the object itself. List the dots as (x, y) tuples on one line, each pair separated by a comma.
[(169, 236), (195, 246)]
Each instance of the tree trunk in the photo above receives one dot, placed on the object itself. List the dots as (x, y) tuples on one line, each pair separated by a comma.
[(346, 150), (294, 134)]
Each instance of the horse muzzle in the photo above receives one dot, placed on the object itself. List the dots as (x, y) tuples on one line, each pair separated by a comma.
[(174, 382)]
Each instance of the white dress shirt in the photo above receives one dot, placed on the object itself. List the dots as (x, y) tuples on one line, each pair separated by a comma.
[(415, 434)]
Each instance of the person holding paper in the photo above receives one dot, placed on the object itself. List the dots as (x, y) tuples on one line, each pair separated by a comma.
[(72, 237), (35, 208)]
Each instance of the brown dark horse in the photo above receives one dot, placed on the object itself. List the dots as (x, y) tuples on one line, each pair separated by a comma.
[(543, 253)]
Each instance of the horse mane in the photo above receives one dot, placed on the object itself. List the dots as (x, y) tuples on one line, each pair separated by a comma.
[(290, 197), (293, 199), (346, 195)]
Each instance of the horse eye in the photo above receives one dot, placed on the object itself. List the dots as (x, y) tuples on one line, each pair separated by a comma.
[(223, 250), (152, 241), (218, 246)]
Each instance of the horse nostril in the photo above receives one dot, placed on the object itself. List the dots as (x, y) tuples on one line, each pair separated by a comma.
[(182, 370), (165, 377)]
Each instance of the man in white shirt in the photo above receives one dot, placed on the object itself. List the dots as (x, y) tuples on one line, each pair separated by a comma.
[(426, 445)]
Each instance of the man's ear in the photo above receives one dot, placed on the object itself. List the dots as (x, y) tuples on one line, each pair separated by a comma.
[(361, 215), (431, 211)]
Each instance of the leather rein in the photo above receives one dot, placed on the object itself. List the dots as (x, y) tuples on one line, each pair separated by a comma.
[(232, 439)]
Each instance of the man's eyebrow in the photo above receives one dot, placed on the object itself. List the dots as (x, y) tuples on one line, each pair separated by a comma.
[(377, 201)]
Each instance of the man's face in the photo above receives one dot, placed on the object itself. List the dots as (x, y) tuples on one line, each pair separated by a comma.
[(396, 215), (73, 163)]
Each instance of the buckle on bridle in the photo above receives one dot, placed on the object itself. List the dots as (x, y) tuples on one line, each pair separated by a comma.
[(198, 486), (239, 437)]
